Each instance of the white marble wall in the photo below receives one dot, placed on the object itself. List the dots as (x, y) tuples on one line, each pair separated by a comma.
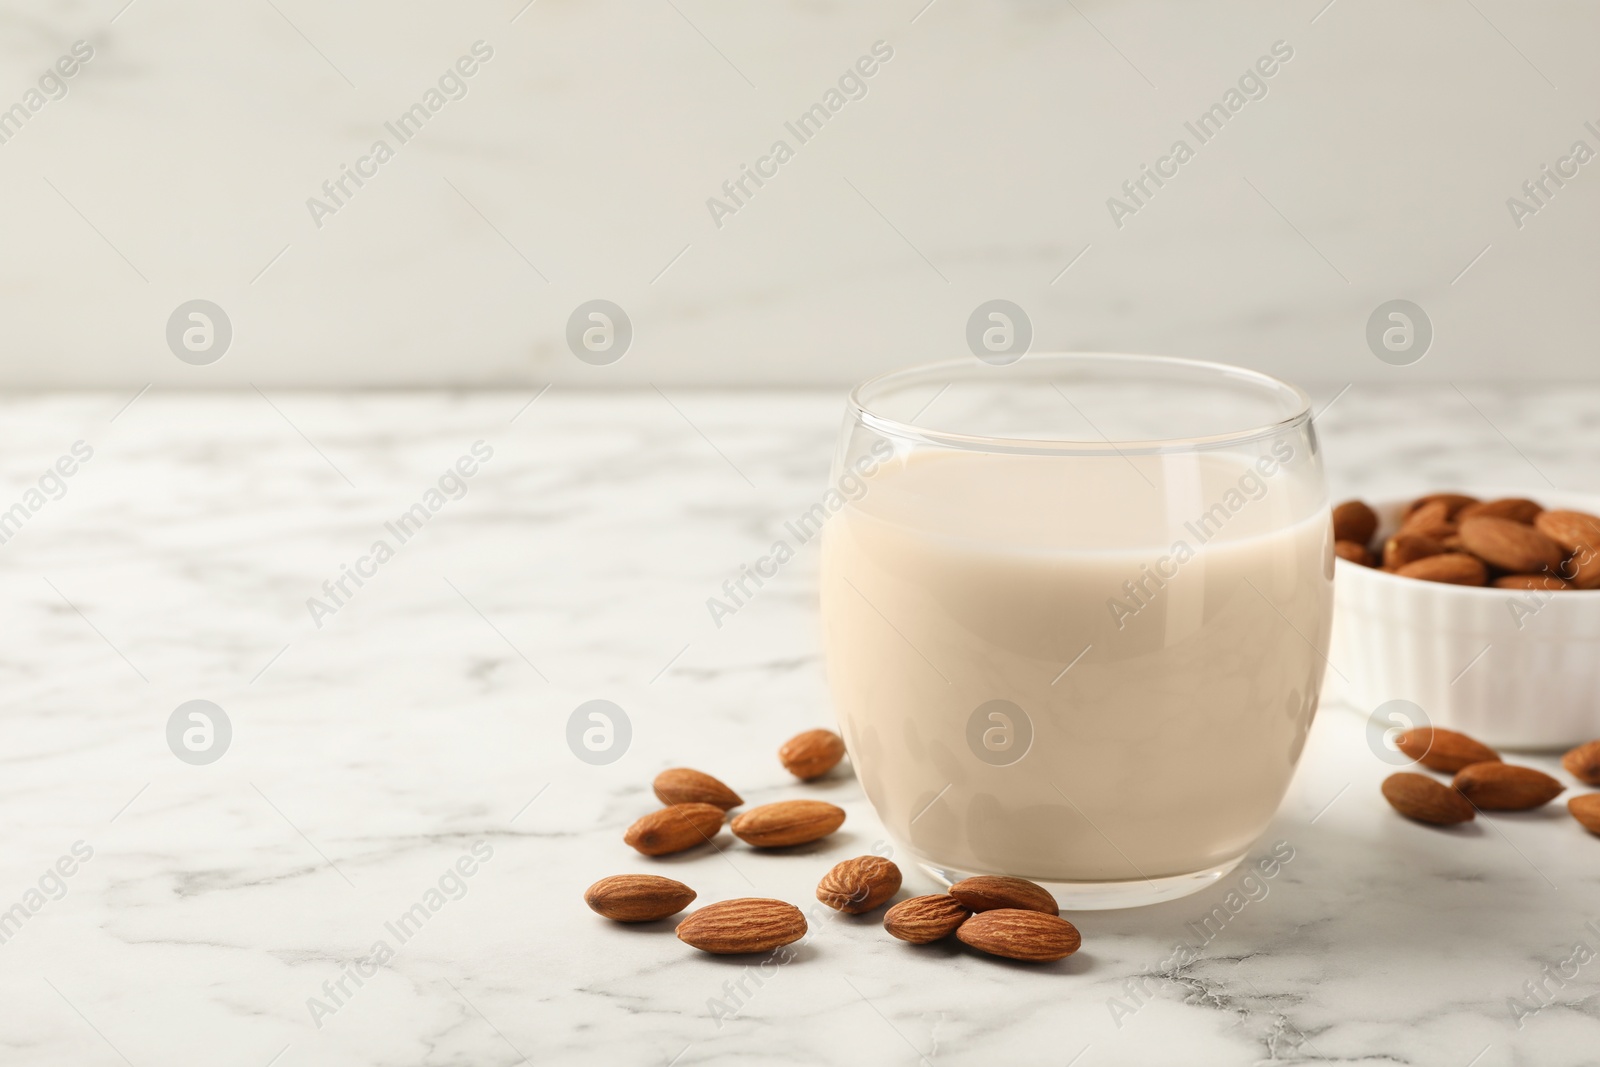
[(578, 165)]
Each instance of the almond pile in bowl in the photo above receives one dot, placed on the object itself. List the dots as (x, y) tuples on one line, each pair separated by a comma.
[(1450, 537), (1010, 917), (1483, 781)]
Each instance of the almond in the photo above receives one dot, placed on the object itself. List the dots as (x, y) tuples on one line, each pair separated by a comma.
[(638, 898), (680, 785), (1503, 787), (1444, 750), (1583, 763), (1586, 809), (748, 924), (987, 892), (1582, 568), (1355, 553), (1531, 581), (1354, 521), (675, 828), (1430, 520), (1420, 798), (1019, 934), (1453, 501), (1514, 508), (1405, 548), (922, 920), (811, 754), (1455, 568), (857, 886), (1570, 529), (788, 822), (1511, 546)]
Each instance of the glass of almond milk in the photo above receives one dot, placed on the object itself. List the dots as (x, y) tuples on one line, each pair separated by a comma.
[(1076, 613)]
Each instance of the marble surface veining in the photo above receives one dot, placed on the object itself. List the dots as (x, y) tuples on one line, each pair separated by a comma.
[(231, 913)]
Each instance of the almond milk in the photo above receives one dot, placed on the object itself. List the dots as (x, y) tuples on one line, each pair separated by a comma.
[(1078, 669)]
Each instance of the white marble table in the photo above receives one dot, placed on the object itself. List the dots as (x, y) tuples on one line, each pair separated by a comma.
[(425, 721)]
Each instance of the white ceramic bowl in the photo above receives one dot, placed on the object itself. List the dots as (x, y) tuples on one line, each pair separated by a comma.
[(1514, 669)]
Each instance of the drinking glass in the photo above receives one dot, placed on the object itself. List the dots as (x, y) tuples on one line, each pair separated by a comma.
[(1076, 614)]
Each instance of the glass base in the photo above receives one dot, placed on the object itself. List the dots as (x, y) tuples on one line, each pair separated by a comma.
[(1101, 896)]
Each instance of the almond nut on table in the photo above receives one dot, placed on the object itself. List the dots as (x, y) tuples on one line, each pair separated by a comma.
[(1444, 750), (857, 886), (986, 892), (1019, 934), (1583, 763), (748, 924), (638, 898), (674, 828), (1504, 787), (1586, 809), (811, 754), (1421, 799), (681, 785), (922, 920), (787, 822)]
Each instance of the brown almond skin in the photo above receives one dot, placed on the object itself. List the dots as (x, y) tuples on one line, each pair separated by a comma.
[(638, 898), (811, 754), (1453, 568), (675, 828), (1430, 520), (1454, 502), (1353, 552), (747, 924), (1531, 581), (1586, 809), (923, 920), (1405, 548), (682, 785), (1514, 508), (788, 822), (857, 886), (1019, 934), (1354, 521), (1583, 763), (1569, 529), (1511, 546), (1443, 750), (1421, 799), (1504, 787), (1582, 568), (986, 892)]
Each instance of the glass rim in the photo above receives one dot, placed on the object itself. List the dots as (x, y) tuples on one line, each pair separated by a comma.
[(860, 409)]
